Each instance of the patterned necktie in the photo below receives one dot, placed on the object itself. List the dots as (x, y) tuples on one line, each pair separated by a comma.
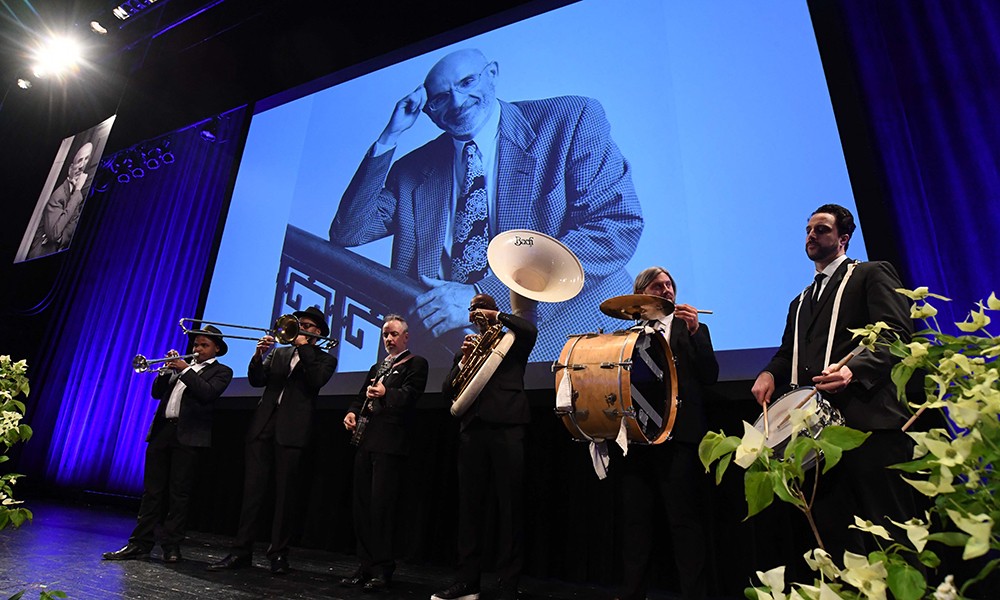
[(468, 250)]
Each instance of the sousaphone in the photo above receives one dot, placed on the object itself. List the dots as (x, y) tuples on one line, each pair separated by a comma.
[(536, 268)]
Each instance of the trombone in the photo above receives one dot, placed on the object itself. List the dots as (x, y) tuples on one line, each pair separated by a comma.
[(286, 328), (141, 364)]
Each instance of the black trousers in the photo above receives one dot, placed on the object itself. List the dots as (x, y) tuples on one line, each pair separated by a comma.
[(862, 484), (671, 472), (266, 457), (377, 479), (166, 489), (491, 452)]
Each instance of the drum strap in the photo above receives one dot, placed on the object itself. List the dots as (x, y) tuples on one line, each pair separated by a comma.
[(833, 324)]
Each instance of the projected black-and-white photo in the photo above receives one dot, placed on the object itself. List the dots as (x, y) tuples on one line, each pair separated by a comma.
[(672, 133), (57, 213), (547, 165)]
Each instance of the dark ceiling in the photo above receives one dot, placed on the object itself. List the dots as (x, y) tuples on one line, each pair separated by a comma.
[(178, 61)]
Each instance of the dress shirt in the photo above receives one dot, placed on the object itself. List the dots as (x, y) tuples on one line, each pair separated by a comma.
[(829, 271), (663, 326), (173, 409), (487, 141), (291, 367)]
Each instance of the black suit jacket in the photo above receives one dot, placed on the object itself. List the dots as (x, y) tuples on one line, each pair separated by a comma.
[(502, 400), (390, 415), (696, 368), (194, 427), (301, 389), (869, 402)]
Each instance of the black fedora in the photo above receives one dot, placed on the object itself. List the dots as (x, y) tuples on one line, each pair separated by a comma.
[(315, 314), (213, 333)]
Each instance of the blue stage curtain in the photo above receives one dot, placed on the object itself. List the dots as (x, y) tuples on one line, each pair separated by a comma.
[(137, 265), (929, 72)]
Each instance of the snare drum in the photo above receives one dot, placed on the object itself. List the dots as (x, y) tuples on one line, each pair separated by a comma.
[(627, 374), (823, 415)]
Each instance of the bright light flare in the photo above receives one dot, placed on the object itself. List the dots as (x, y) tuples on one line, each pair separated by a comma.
[(24, 84), (57, 56)]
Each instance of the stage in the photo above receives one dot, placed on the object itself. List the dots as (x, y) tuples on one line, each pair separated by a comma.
[(61, 550)]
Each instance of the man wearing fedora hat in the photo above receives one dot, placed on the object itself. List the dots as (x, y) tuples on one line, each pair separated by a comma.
[(181, 428), (291, 377)]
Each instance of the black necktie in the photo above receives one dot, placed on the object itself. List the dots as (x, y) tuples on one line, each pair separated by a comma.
[(817, 286), (468, 249)]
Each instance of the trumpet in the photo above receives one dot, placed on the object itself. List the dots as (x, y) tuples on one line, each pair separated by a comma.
[(286, 328), (141, 364)]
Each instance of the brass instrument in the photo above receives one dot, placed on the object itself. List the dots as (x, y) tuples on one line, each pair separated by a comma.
[(285, 329), (536, 268), (141, 364)]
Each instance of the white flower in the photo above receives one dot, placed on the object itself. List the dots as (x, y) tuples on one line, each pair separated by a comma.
[(869, 579), (750, 446), (946, 591), (870, 527), (820, 560), (916, 531)]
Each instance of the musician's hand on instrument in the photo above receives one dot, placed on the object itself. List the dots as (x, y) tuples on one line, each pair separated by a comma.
[(264, 344), (443, 307), (833, 380), (468, 345), (350, 421), (763, 388), (376, 390), (689, 315)]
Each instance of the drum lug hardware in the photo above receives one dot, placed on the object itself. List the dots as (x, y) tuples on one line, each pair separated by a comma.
[(611, 399), (612, 413), (679, 402), (627, 365), (558, 365), (563, 412)]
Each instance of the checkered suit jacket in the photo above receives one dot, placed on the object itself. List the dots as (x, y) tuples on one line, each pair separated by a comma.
[(560, 173)]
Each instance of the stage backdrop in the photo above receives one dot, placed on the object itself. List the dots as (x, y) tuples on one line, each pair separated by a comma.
[(720, 110), (137, 267)]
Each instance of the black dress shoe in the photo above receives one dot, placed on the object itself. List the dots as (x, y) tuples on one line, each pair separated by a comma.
[(171, 554), (279, 565), (355, 579), (232, 561), (129, 552), (376, 584)]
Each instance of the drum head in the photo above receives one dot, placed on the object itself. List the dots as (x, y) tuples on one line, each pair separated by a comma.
[(779, 415)]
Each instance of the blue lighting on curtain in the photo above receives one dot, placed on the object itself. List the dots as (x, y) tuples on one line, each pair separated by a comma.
[(141, 267), (930, 78)]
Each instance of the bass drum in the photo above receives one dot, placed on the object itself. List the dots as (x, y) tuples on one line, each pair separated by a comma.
[(627, 375)]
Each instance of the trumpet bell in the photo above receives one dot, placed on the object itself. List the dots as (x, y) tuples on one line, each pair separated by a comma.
[(535, 265)]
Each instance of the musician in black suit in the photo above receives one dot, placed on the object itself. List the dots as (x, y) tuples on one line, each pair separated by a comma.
[(181, 429), (491, 449), (670, 470), (848, 294), (292, 377), (384, 409)]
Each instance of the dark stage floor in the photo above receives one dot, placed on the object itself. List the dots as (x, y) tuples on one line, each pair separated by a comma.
[(61, 550)]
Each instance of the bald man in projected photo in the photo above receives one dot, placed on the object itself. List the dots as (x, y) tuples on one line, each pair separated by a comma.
[(547, 165), (62, 211)]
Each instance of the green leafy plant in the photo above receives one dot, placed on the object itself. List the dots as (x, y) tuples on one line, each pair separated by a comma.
[(955, 468), (13, 385)]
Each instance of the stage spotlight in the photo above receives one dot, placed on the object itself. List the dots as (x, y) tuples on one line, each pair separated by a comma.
[(138, 172), (151, 158), (98, 28), (24, 84), (103, 178), (167, 157), (57, 56), (124, 177), (210, 130)]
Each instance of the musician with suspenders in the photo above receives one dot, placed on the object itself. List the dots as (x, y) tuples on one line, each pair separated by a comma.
[(378, 419), (848, 294)]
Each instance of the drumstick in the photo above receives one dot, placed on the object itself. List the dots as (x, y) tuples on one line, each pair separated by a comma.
[(814, 391), (914, 417), (703, 311), (767, 431)]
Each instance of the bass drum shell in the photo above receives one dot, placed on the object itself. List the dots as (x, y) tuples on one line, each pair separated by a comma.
[(627, 374)]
